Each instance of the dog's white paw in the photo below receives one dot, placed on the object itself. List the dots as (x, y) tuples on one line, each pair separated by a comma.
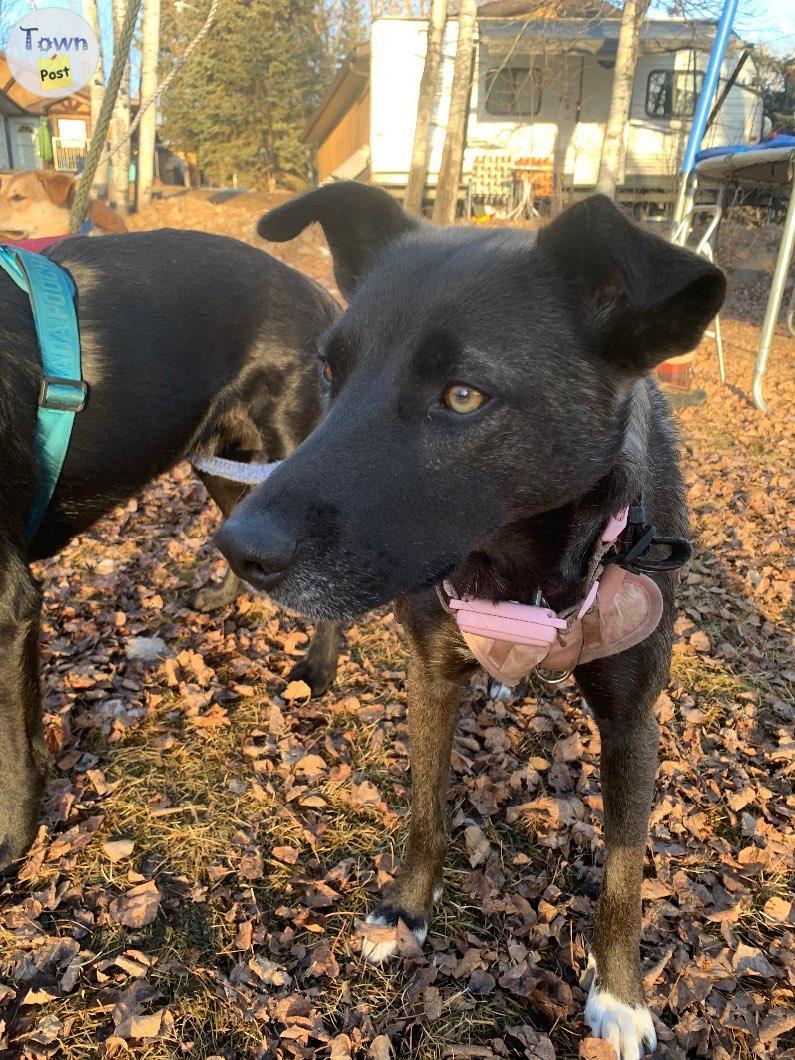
[(628, 1028), (499, 692), (381, 942)]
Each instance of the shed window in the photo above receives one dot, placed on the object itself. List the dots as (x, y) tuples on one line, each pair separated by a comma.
[(72, 129), (513, 90), (673, 93)]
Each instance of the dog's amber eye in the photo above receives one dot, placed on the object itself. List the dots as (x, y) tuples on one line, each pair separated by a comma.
[(462, 399), (327, 370)]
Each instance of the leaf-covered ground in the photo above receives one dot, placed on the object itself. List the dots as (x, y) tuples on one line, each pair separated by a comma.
[(211, 838)]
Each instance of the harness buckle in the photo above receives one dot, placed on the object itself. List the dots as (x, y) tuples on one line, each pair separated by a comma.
[(640, 537), (63, 395)]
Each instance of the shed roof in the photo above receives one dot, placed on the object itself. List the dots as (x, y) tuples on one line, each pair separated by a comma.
[(25, 101), (351, 80)]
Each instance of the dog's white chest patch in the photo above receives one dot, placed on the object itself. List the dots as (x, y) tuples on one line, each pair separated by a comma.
[(628, 1028)]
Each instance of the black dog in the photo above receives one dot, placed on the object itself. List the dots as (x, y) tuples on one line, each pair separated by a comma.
[(191, 343), (490, 409)]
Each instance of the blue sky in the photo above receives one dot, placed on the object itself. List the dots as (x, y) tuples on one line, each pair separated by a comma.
[(774, 23), (770, 22)]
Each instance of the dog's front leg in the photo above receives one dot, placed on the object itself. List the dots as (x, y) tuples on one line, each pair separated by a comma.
[(622, 692), (22, 754), (318, 667), (436, 676), (226, 495)]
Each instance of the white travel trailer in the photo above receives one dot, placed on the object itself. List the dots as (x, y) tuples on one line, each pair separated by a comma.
[(540, 98)]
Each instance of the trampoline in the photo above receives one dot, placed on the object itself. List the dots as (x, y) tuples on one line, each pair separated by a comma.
[(769, 164)]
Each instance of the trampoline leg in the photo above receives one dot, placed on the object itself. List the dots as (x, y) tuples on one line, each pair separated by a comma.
[(719, 347), (774, 301)]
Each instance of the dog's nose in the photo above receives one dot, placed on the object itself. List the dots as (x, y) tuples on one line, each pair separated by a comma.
[(259, 550)]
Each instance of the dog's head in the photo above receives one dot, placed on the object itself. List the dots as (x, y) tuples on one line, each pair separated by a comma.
[(35, 204), (476, 375)]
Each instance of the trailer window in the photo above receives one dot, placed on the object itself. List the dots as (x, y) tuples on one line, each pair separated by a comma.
[(513, 90), (673, 93)]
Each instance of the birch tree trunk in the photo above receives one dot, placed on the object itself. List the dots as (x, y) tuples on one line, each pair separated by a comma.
[(96, 93), (120, 127), (613, 154), (418, 173), (147, 129), (454, 141)]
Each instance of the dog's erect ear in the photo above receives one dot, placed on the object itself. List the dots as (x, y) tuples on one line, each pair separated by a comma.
[(358, 220), (645, 298), (59, 186)]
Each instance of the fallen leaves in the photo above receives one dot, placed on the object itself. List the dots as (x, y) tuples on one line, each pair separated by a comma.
[(478, 847), (296, 690), (381, 1048), (118, 849), (289, 855), (596, 1049), (130, 1020), (311, 766), (701, 642), (749, 960), (251, 864), (268, 972), (138, 907)]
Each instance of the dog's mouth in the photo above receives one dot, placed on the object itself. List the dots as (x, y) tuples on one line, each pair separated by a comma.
[(258, 579), (342, 594)]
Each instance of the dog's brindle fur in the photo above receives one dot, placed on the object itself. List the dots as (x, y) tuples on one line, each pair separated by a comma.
[(191, 343), (394, 491)]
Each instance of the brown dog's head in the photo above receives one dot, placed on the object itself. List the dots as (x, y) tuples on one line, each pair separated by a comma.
[(34, 205)]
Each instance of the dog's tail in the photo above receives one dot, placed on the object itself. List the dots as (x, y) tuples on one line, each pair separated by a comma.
[(106, 219)]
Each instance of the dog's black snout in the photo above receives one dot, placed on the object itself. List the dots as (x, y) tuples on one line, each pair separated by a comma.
[(258, 550)]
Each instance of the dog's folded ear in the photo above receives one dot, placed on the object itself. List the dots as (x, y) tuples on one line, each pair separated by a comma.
[(644, 298), (358, 220), (60, 187)]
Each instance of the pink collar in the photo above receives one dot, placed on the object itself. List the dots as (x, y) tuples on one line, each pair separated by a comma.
[(37, 245), (511, 639)]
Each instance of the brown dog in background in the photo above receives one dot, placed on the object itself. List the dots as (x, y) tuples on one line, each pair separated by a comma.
[(36, 204)]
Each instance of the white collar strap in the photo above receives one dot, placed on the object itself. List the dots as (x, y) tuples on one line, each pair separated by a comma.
[(234, 470)]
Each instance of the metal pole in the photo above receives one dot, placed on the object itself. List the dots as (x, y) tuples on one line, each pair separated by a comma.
[(776, 295), (704, 104), (730, 83)]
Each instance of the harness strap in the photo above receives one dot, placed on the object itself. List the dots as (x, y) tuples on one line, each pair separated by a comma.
[(510, 639), (233, 470), (63, 392)]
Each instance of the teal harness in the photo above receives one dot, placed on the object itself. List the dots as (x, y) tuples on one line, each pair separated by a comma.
[(63, 393)]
